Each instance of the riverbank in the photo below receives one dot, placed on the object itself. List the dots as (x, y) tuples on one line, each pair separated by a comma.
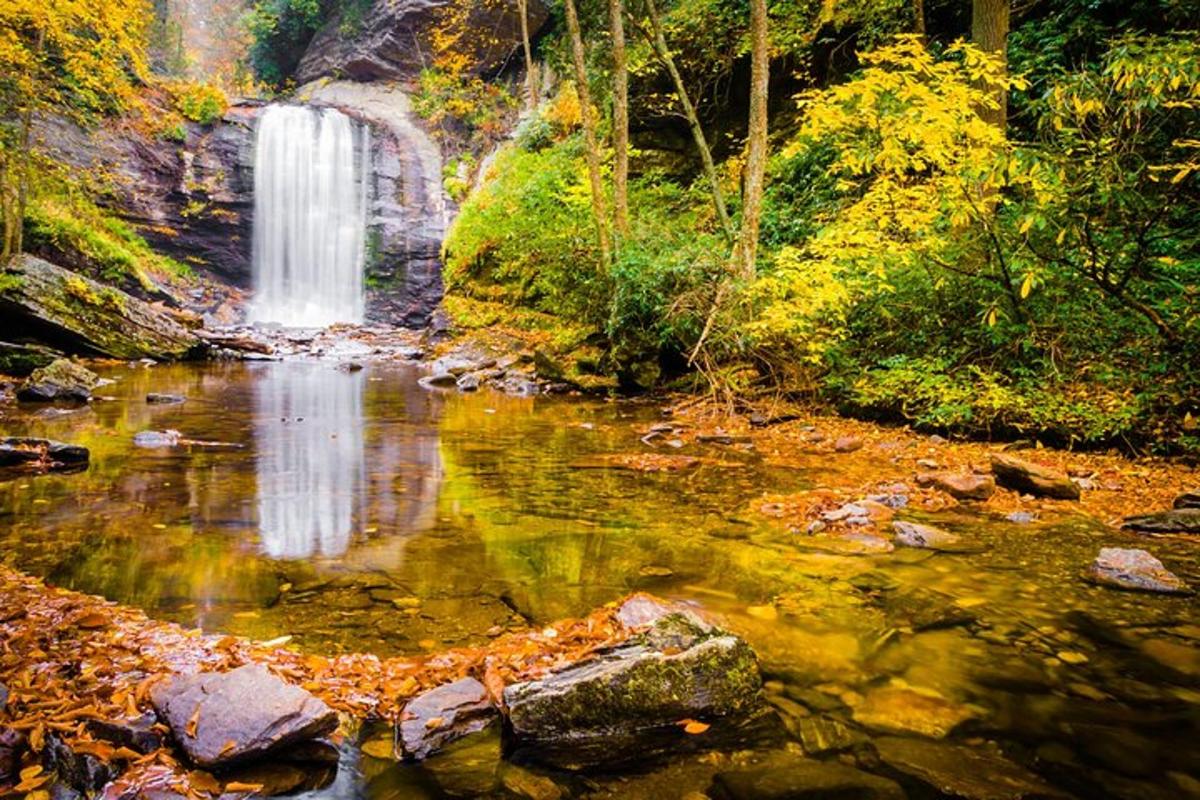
[(80, 677)]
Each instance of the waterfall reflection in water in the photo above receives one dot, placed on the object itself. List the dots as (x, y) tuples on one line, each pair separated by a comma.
[(310, 466)]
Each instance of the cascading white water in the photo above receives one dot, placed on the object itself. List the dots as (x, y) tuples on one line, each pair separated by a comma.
[(310, 216)]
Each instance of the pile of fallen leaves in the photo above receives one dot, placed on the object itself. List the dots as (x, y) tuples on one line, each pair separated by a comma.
[(1113, 485), (67, 658)]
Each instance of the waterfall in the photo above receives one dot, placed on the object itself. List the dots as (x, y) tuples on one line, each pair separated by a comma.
[(310, 213)]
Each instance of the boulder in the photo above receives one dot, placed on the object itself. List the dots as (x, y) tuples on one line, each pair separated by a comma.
[(784, 776), (442, 715), (1136, 570), (63, 380), (970, 773), (21, 359), (1177, 520), (79, 315), (219, 719), (848, 444), (1029, 478), (16, 451), (968, 486), (393, 40), (927, 537), (628, 702), (1188, 500)]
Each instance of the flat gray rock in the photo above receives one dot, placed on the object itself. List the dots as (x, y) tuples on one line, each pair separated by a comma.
[(224, 718), (925, 537), (1136, 570), (442, 715)]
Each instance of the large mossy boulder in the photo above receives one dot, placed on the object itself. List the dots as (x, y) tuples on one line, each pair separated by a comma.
[(61, 380), (635, 700), (61, 308)]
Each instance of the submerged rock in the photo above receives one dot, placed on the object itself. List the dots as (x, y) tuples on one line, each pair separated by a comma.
[(895, 710), (1178, 520), (79, 315), (970, 773), (629, 701), (784, 776), (164, 399), (232, 717), (442, 715), (157, 439), (1136, 570), (927, 537), (1188, 500), (16, 451), (1024, 476), (61, 380)]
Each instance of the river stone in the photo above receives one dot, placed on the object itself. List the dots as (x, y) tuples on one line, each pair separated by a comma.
[(61, 380), (15, 450), (82, 771), (612, 707), (143, 733), (926, 537), (1177, 520), (895, 710), (820, 735), (1188, 500), (784, 776), (247, 707), (156, 439), (969, 773), (1024, 476), (434, 719), (1137, 570), (967, 486), (164, 399), (12, 746)]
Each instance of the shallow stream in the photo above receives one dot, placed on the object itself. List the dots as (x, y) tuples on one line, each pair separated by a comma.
[(361, 512)]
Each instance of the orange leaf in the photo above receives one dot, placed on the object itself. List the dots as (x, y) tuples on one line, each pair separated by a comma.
[(693, 726), (192, 723)]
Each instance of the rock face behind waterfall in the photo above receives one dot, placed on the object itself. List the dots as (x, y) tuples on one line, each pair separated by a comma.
[(395, 38), (409, 212)]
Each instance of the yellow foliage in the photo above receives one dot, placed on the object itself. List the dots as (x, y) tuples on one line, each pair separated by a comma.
[(564, 111)]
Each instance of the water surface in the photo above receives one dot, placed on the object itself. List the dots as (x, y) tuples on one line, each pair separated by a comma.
[(359, 511)]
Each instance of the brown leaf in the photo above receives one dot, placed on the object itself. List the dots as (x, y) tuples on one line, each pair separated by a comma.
[(192, 723)]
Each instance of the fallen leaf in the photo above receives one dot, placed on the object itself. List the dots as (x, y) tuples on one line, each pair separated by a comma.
[(693, 726), (192, 723), (434, 722)]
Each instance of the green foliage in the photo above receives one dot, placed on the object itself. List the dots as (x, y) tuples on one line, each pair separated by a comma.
[(199, 102), (526, 239), (282, 29), (460, 103), (64, 224)]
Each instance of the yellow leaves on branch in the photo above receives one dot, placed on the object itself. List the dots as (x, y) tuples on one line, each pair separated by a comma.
[(87, 53)]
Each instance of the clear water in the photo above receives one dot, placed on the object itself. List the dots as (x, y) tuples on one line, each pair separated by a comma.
[(352, 489), (310, 206)]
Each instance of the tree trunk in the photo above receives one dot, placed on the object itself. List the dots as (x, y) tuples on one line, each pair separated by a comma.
[(659, 42), (989, 32), (756, 140), (616, 14), (919, 17), (530, 69), (599, 206)]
